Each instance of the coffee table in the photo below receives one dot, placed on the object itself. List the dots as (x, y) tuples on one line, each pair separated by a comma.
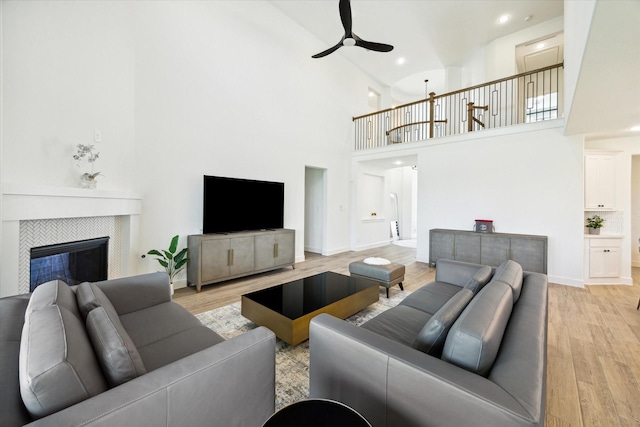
[(287, 309)]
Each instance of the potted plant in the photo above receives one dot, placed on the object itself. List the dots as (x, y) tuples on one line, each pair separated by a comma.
[(87, 180), (172, 260), (595, 223)]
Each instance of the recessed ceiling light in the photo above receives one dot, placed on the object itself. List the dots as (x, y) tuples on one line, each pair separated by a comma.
[(503, 19), (397, 162), (540, 46), (635, 128), (371, 94), (401, 61)]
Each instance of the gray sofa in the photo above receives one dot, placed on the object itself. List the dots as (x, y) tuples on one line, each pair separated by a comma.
[(120, 352), (456, 352)]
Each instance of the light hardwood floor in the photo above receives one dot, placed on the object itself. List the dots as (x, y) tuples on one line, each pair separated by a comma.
[(593, 350)]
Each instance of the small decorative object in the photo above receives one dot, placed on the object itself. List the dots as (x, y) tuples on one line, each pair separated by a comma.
[(172, 260), (88, 153), (595, 223)]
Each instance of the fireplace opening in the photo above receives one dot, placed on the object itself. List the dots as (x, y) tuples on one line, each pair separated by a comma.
[(72, 262)]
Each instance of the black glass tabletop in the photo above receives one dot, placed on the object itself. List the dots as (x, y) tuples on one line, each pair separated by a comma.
[(300, 297)]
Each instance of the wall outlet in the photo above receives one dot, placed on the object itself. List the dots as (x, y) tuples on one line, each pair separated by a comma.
[(97, 136)]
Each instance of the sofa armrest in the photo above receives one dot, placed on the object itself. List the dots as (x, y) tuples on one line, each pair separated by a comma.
[(135, 293), (455, 272), (394, 385), (229, 384)]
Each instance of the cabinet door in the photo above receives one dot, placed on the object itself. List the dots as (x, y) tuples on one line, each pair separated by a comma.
[(467, 248), (494, 249), (215, 258), (604, 262), (531, 254), (441, 246), (242, 255), (285, 249), (599, 182), (264, 251)]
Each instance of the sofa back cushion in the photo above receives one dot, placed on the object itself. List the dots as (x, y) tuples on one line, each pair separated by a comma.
[(474, 339), (55, 292), (479, 279), (510, 272), (116, 352), (57, 365), (431, 338)]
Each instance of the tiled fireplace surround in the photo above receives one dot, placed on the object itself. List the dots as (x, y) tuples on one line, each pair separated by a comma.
[(36, 216)]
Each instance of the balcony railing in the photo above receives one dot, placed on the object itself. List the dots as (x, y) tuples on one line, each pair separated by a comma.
[(523, 98)]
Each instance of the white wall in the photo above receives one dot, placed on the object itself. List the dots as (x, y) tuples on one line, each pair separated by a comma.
[(222, 90), (527, 182), (68, 69), (635, 211), (178, 90), (500, 55)]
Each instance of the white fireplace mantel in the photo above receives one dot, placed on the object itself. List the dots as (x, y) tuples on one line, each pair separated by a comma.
[(23, 202)]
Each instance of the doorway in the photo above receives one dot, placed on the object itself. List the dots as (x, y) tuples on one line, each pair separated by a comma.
[(315, 202)]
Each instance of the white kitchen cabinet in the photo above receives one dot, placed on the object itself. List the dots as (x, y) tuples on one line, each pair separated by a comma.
[(599, 181), (604, 258)]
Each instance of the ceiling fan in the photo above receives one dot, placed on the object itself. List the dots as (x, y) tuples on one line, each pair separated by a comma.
[(349, 38)]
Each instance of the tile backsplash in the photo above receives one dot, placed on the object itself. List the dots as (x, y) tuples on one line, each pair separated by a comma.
[(613, 221)]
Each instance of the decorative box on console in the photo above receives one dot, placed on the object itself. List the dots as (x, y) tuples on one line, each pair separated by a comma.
[(483, 226)]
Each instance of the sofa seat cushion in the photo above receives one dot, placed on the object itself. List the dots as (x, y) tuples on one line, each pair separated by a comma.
[(474, 339), (510, 272), (178, 346), (166, 332), (433, 334), (401, 324), (58, 367), (431, 297)]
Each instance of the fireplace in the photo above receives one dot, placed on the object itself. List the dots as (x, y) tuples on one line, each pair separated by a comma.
[(71, 262)]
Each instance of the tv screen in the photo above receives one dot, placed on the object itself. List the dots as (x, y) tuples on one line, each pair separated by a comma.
[(232, 204)]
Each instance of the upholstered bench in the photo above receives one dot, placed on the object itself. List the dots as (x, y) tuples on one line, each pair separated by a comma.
[(380, 270)]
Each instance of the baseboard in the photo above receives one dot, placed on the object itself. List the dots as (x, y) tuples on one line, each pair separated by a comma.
[(566, 281), (628, 281), (181, 283), (336, 251), (313, 249), (373, 245)]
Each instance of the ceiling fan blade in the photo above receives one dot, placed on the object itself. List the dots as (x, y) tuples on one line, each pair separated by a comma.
[(378, 47), (328, 51), (345, 16)]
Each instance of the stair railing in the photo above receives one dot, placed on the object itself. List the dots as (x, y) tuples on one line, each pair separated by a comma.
[(523, 98)]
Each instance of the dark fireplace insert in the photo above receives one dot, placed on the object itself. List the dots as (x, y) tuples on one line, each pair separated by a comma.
[(71, 262)]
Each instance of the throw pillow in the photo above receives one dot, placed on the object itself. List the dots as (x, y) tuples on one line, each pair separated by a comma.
[(116, 353), (431, 338)]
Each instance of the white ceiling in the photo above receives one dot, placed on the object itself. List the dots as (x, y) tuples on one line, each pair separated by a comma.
[(430, 34)]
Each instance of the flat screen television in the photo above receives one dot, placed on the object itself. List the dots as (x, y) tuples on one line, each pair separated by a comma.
[(232, 204)]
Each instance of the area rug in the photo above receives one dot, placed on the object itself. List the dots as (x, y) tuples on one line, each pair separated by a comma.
[(292, 362)]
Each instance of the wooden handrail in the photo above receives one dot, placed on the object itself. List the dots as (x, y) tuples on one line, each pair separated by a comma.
[(415, 123), (550, 67)]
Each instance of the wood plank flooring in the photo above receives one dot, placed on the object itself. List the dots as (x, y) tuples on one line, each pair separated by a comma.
[(593, 350)]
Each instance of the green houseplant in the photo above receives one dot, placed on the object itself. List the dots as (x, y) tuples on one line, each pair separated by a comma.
[(172, 260), (595, 223)]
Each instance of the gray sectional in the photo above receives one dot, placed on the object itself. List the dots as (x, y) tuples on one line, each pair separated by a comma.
[(466, 349), (120, 352)]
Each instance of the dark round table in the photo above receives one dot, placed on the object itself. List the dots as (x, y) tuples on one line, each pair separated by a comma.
[(317, 413)]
